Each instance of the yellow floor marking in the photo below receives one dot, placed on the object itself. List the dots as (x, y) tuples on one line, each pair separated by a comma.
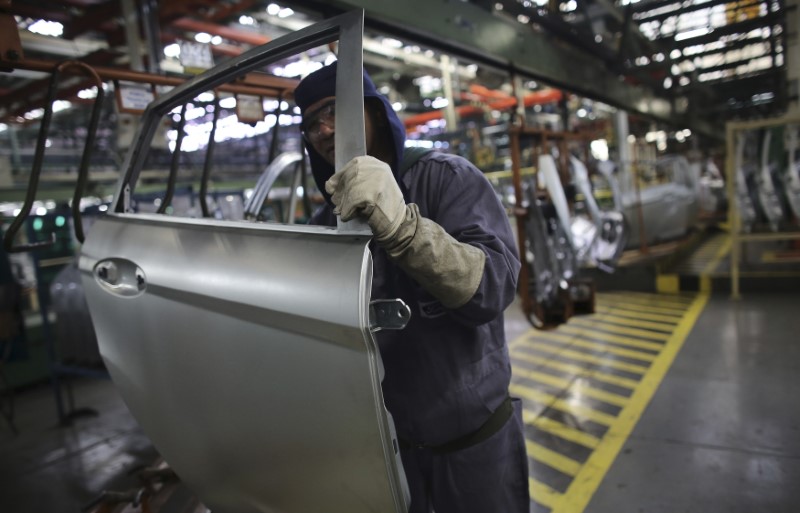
[(577, 387), (584, 357), (573, 369), (594, 469), (720, 254), (642, 308), (560, 429), (552, 458), (566, 405), (592, 322), (634, 323), (778, 257), (602, 348), (649, 298), (543, 494), (609, 337), (669, 319)]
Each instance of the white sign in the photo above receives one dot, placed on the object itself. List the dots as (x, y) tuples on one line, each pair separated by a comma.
[(249, 109), (195, 57), (134, 97)]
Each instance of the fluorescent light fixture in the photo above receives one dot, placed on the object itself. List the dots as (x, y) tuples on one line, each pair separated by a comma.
[(202, 37), (172, 50), (702, 31), (46, 28)]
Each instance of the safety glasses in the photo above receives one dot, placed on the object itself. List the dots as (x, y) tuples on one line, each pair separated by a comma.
[(312, 122)]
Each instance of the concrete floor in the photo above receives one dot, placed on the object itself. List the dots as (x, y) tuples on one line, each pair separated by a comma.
[(721, 434)]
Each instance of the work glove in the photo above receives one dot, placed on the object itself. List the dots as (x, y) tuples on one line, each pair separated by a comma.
[(448, 269)]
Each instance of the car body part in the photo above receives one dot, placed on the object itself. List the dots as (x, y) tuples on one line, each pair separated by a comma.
[(546, 301), (289, 162), (744, 198), (768, 197), (610, 228), (245, 350), (668, 210), (791, 179)]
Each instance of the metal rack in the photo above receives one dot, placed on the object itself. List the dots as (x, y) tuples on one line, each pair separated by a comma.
[(737, 237)]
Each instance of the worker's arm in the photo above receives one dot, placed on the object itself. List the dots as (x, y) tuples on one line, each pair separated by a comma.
[(467, 267)]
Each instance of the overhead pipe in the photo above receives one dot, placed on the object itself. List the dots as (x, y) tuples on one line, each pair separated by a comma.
[(535, 98)]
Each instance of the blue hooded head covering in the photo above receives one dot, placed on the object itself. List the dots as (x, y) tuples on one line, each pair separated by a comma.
[(322, 84)]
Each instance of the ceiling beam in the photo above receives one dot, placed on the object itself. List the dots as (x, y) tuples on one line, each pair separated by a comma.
[(471, 33)]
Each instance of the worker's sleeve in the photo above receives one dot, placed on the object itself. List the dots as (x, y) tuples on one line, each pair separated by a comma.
[(454, 194)]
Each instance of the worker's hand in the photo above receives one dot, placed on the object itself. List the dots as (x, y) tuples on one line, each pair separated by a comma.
[(367, 188)]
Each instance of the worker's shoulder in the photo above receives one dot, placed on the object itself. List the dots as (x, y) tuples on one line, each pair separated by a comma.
[(435, 161)]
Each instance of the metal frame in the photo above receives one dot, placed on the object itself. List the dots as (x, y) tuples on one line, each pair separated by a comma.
[(734, 217)]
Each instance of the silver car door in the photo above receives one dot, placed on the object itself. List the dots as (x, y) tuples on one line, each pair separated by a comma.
[(245, 350)]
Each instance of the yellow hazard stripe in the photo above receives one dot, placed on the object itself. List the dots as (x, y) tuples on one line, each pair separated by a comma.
[(564, 405), (648, 298), (602, 348), (543, 494), (585, 357), (666, 310), (592, 322), (552, 458), (575, 369), (587, 480), (635, 323), (635, 314), (560, 429), (572, 385), (610, 337)]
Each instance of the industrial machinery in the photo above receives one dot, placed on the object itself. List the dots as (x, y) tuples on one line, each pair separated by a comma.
[(791, 178), (243, 349), (659, 212)]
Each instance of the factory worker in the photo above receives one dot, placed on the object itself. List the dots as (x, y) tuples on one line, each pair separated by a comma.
[(443, 244)]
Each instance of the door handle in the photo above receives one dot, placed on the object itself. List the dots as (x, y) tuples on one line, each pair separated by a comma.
[(120, 277)]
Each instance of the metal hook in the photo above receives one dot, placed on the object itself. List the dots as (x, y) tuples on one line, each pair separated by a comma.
[(173, 169), (208, 159), (33, 183)]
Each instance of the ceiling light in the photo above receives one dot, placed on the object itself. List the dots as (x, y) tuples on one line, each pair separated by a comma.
[(246, 20), (202, 37), (173, 50), (273, 9), (285, 13), (216, 40), (702, 31), (88, 93), (392, 43), (47, 28)]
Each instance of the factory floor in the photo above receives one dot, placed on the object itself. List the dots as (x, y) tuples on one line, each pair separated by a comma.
[(655, 403)]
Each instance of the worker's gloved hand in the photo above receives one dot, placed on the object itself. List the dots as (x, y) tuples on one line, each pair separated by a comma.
[(367, 188), (448, 269)]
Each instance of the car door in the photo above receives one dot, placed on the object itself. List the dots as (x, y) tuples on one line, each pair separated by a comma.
[(245, 350)]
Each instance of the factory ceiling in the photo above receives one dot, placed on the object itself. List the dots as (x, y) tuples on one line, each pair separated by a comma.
[(688, 63)]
